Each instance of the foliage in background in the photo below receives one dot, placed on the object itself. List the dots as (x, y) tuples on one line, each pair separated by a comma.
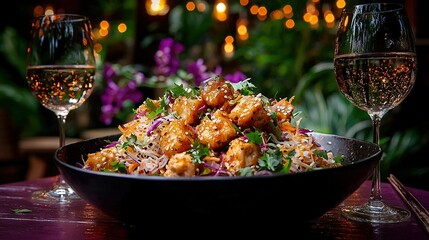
[(15, 96), (122, 83), (280, 62), (299, 62)]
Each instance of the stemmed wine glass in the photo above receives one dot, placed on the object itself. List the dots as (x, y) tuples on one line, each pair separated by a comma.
[(60, 73), (375, 66)]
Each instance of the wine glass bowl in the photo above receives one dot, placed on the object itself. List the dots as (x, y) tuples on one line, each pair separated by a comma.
[(61, 88), (375, 66), (376, 83), (60, 73)]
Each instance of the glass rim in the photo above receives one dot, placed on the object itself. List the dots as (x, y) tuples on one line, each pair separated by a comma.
[(71, 17), (372, 8)]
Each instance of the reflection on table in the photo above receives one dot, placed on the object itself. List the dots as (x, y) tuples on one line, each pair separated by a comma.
[(80, 220)]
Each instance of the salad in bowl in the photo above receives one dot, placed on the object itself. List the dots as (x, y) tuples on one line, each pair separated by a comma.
[(218, 129)]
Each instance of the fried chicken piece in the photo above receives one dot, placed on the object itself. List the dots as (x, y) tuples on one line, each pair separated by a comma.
[(217, 93), (188, 108), (217, 131), (102, 160), (283, 109), (180, 165), (177, 137), (241, 154), (250, 112)]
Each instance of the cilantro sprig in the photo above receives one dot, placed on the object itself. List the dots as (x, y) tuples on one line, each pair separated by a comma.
[(156, 111), (244, 87), (119, 167), (180, 90), (198, 152), (288, 162), (254, 137), (131, 141), (271, 160), (246, 172), (273, 125), (324, 154)]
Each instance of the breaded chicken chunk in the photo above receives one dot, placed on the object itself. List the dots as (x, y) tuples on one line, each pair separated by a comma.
[(180, 165), (241, 154), (101, 160), (217, 93), (217, 131), (177, 137), (188, 108), (250, 112)]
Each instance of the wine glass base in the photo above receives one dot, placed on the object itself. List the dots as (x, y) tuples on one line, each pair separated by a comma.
[(375, 214), (59, 194)]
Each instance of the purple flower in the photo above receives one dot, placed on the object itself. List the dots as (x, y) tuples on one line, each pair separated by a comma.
[(109, 72), (198, 71), (235, 77), (114, 96), (167, 57), (218, 70), (122, 82)]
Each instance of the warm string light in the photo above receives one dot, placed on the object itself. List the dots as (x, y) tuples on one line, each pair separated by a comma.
[(48, 10), (242, 32), (157, 7), (200, 6), (340, 4), (220, 13), (220, 10), (228, 46), (190, 6)]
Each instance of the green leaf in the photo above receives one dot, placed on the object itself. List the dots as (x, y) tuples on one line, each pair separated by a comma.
[(155, 110), (22, 210), (322, 154), (179, 90), (271, 160), (131, 142), (119, 167), (198, 152), (246, 172), (150, 105), (254, 137), (244, 87)]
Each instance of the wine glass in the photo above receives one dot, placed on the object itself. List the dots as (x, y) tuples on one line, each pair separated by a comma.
[(60, 73), (375, 65)]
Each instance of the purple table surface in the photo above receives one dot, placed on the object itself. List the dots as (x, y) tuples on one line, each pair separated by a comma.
[(80, 220)]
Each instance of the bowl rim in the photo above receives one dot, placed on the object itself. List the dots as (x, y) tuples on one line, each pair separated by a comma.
[(376, 155)]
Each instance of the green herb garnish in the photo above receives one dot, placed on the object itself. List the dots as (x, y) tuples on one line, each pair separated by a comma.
[(22, 210), (246, 172), (254, 137), (155, 111), (180, 90), (244, 87), (198, 152), (119, 167), (271, 160), (130, 142)]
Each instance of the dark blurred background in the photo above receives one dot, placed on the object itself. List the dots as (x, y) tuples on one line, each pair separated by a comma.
[(286, 48)]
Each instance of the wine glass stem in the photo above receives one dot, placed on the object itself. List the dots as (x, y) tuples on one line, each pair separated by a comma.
[(61, 124), (375, 198)]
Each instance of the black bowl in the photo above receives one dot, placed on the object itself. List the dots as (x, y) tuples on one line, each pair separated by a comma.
[(293, 197)]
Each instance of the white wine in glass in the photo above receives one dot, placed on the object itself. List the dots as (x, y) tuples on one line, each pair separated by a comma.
[(60, 72), (375, 65)]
